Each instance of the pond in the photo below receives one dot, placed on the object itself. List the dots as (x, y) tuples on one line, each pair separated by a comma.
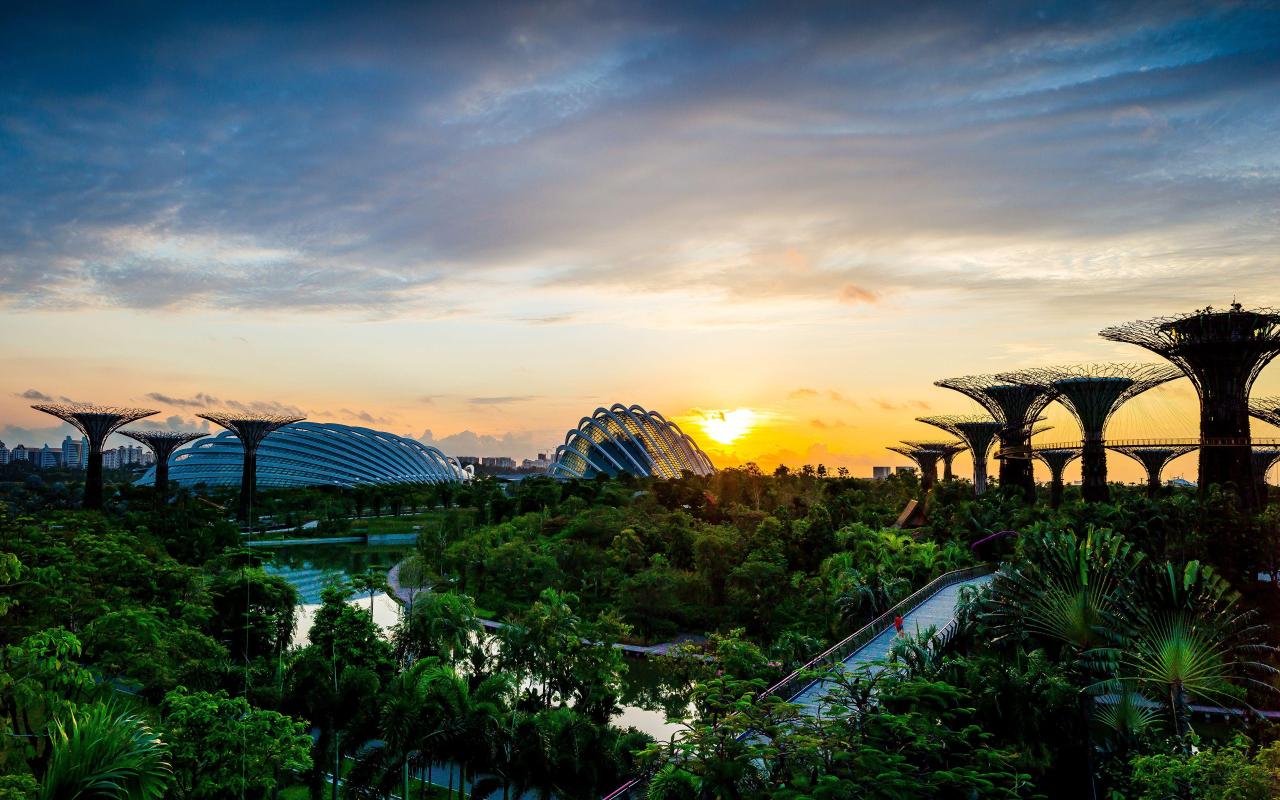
[(646, 700)]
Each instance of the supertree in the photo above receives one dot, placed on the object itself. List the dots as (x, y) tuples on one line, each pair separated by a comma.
[(946, 451), (251, 430), (976, 431), (96, 423), (1222, 353), (1056, 459), (1153, 458), (927, 460), (162, 444), (1092, 393), (1016, 405)]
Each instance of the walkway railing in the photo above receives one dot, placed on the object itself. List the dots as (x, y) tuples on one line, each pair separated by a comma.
[(803, 677), (1185, 442), (800, 680)]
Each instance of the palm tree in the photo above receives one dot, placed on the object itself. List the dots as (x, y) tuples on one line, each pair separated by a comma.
[(441, 624), (1187, 638), (1065, 590), (105, 753)]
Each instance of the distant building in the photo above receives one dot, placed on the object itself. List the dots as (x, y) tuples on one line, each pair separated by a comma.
[(49, 458), (499, 462), (19, 453), (70, 452), (540, 464), (880, 473), (469, 461), (906, 470), (4, 454)]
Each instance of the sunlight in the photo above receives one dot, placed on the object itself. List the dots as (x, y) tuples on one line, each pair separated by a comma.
[(726, 427)]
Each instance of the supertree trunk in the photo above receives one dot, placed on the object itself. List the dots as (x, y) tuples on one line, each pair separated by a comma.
[(947, 475), (1225, 416), (93, 480), (248, 483), (1055, 491), (162, 480), (1093, 472)]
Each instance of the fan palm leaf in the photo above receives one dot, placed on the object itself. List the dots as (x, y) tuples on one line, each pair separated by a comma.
[(105, 753)]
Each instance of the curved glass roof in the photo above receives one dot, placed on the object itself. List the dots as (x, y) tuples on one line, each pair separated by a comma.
[(313, 454), (631, 440)]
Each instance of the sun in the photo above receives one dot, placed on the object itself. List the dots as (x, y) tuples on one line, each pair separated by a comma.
[(727, 427)]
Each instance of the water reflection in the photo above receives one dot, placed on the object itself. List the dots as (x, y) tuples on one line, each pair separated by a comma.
[(647, 698)]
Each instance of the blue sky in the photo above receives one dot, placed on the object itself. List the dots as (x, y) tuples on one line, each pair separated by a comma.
[(690, 206)]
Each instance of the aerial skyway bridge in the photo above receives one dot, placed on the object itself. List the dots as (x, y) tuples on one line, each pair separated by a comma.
[(932, 605), (1027, 452)]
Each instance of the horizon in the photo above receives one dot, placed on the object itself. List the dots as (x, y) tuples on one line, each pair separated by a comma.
[(474, 227)]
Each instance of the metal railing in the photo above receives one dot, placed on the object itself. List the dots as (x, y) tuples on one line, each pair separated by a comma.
[(841, 650), (855, 641), (1185, 442)]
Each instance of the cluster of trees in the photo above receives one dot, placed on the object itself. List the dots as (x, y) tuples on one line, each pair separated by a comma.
[(143, 653)]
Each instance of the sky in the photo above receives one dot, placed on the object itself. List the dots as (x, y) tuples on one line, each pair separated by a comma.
[(475, 223)]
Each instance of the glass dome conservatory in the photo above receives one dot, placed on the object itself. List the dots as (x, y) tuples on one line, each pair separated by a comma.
[(617, 440), (314, 454)]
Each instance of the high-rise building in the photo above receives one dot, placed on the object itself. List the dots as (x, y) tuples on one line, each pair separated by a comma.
[(500, 462), (880, 473), (469, 461), (70, 452), (18, 453), (49, 458), (4, 454)]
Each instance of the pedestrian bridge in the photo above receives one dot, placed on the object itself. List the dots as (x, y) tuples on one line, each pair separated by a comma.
[(932, 605)]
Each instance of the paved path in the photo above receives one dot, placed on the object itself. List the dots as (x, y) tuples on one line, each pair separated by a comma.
[(936, 611)]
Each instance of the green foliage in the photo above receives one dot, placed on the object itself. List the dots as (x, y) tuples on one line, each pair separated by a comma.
[(104, 753), (223, 747), (1228, 772)]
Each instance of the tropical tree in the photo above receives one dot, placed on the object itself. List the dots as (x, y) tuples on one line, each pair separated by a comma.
[(104, 752), (441, 624), (1187, 637), (1068, 587), (224, 747)]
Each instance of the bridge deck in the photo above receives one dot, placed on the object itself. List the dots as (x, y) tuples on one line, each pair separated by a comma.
[(936, 611)]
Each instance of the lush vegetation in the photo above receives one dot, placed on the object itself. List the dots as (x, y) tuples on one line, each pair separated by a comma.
[(145, 653)]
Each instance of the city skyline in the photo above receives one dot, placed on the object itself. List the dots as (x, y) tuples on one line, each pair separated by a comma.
[(475, 228)]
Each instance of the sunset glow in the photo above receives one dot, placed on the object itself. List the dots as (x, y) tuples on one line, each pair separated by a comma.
[(727, 427)]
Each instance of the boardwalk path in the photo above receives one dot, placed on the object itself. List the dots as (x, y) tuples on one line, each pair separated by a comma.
[(937, 611)]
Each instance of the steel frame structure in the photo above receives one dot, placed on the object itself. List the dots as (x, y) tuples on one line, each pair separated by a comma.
[(1222, 352), (1018, 406), (162, 444), (1093, 393), (927, 460), (947, 452), (976, 431), (96, 423), (1153, 459), (251, 430)]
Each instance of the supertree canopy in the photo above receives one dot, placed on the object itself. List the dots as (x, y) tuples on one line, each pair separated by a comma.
[(927, 460), (96, 423), (946, 451), (1266, 409), (1153, 458), (1222, 352), (1056, 459), (163, 443), (1017, 405), (251, 430), (1092, 393), (976, 431)]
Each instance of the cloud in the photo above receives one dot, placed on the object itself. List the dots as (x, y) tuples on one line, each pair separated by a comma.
[(906, 405), (501, 400), (825, 426), (517, 445), (200, 400), (34, 394), (802, 394), (420, 160)]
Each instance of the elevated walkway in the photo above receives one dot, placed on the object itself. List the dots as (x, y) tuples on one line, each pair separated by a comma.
[(932, 605)]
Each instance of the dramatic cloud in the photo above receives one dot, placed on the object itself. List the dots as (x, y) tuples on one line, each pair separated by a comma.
[(33, 394), (427, 159), (516, 445), (199, 401)]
